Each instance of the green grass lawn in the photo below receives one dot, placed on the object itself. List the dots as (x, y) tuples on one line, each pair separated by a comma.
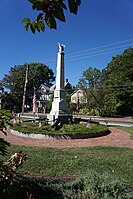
[(99, 171), (77, 161)]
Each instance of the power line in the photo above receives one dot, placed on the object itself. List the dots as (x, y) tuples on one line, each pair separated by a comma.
[(112, 87), (97, 53), (92, 49), (108, 49), (101, 46), (93, 54)]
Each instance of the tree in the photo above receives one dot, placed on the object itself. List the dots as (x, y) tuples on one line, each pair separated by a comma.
[(14, 81), (117, 80), (50, 10), (89, 83), (1, 87)]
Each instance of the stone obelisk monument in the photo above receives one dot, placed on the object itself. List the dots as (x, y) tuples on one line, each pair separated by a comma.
[(59, 104)]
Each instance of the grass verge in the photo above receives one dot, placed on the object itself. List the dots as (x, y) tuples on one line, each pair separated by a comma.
[(90, 186), (74, 162)]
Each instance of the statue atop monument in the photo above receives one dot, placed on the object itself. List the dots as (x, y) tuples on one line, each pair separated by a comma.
[(61, 47)]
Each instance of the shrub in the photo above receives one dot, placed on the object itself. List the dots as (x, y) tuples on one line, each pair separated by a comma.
[(5, 117)]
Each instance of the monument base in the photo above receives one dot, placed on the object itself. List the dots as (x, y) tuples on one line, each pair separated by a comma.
[(64, 118)]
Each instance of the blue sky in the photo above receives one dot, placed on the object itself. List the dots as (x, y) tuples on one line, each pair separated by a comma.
[(102, 29)]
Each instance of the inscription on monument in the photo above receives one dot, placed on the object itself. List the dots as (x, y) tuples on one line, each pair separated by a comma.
[(56, 94)]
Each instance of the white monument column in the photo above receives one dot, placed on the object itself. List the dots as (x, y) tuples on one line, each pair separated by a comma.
[(59, 104), (60, 68)]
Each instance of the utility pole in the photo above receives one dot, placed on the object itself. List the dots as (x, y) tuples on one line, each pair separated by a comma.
[(26, 81)]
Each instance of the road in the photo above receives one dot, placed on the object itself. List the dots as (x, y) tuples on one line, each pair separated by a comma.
[(125, 121)]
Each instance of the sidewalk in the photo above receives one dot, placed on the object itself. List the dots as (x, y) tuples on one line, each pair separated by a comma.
[(117, 138), (122, 121)]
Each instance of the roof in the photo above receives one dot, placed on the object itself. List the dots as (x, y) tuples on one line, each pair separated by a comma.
[(78, 89), (52, 88), (43, 88)]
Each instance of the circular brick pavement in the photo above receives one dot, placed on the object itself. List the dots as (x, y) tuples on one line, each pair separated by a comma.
[(117, 138)]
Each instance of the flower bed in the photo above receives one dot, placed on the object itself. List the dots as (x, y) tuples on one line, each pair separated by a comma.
[(67, 131)]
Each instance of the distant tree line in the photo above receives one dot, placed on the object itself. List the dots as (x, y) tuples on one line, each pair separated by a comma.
[(110, 91)]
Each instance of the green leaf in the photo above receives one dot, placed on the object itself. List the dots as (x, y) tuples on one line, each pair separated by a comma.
[(26, 20), (59, 14), (31, 1), (50, 21), (42, 26), (37, 6), (73, 7), (63, 5), (32, 27), (39, 17), (35, 1), (27, 26), (52, 10), (37, 26), (78, 2)]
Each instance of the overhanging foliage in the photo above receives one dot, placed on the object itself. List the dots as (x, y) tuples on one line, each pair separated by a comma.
[(49, 12)]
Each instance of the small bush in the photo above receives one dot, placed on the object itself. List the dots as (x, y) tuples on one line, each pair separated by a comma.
[(5, 118)]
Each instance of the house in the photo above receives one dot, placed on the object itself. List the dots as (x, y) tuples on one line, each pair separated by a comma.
[(68, 87), (78, 95), (52, 88), (43, 94)]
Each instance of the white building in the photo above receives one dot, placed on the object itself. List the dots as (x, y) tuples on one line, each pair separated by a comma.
[(43, 95), (78, 94)]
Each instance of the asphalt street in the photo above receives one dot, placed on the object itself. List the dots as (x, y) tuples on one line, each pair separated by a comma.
[(123, 121)]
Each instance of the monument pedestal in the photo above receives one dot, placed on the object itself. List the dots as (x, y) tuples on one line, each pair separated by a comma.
[(60, 108)]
